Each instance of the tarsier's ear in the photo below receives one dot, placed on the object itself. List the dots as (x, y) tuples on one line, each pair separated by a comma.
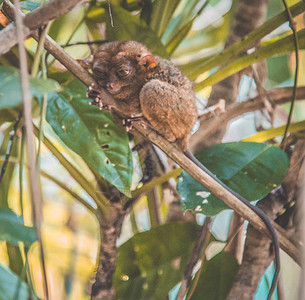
[(86, 63), (148, 61)]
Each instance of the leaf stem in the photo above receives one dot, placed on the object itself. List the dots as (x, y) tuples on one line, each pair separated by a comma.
[(292, 25), (155, 182)]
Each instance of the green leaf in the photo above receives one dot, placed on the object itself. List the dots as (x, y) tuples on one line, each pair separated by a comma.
[(253, 37), (10, 87), (250, 169), (29, 5), (216, 277), (161, 15), (278, 69), (130, 27), (12, 229), (92, 134), (13, 251), (9, 114), (15, 258), (10, 283), (193, 68), (153, 262), (183, 14), (269, 134), (283, 46), (177, 39)]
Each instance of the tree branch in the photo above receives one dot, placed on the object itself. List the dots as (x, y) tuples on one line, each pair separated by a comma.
[(187, 276), (35, 19), (211, 125)]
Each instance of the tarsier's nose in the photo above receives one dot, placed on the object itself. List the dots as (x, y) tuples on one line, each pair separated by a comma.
[(113, 87)]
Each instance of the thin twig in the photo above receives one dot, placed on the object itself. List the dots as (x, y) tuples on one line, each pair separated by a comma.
[(10, 145), (21, 162), (27, 107), (198, 274), (98, 42), (187, 276), (296, 45), (40, 48), (110, 14)]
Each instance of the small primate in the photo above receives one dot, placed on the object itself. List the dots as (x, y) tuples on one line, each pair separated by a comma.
[(152, 90)]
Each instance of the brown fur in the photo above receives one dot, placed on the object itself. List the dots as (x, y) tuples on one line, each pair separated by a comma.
[(154, 88)]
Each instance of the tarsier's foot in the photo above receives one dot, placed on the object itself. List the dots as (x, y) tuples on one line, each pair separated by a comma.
[(127, 123)]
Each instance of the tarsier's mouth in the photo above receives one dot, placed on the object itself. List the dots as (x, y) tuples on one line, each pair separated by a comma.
[(114, 92)]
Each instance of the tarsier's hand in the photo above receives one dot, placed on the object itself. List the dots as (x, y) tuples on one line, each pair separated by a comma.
[(93, 93)]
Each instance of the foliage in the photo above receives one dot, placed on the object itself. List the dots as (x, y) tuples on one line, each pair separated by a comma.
[(152, 262), (83, 151), (13, 230), (216, 277), (250, 169)]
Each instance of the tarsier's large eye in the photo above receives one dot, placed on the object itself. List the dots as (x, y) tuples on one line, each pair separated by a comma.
[(123, 73), (99, 73)]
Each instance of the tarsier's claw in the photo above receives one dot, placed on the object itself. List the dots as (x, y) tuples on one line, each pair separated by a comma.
[(128, 127)]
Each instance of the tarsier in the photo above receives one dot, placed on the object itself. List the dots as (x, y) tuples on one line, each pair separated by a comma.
[(149, 89)]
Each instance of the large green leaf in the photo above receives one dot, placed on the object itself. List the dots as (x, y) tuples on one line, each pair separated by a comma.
[(130, 27), (92, 134), (10, 87), (216, 277), (13, 230), (11, 286), (152, 262), (250, 169)]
